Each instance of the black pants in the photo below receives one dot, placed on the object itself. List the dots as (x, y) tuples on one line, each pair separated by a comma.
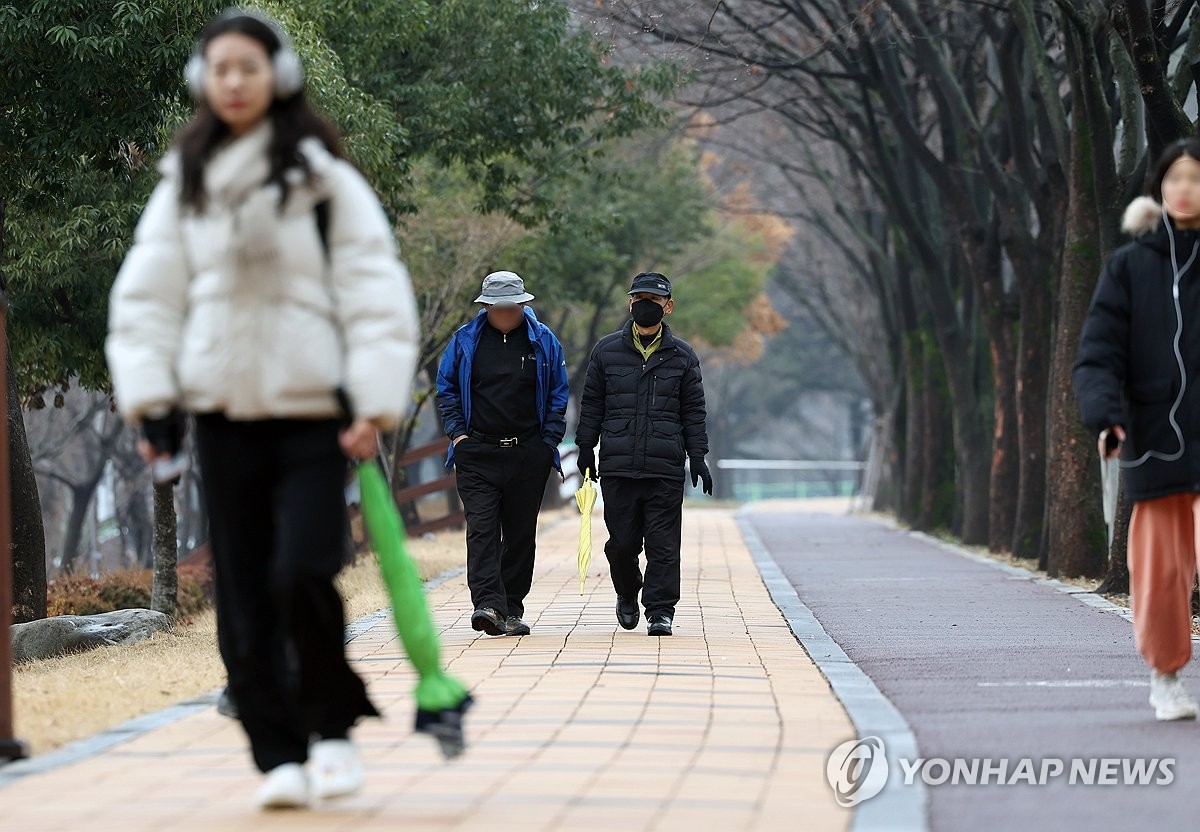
[(650, 512), (501, 491), (277, 516)]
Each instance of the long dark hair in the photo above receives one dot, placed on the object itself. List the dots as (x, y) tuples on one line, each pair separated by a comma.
[(1170, 155), (293, 118)]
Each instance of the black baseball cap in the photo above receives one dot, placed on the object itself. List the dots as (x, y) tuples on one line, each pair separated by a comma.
[(652, 283)]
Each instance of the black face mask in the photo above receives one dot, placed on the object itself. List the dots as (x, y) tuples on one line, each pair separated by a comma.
[(647, 313)]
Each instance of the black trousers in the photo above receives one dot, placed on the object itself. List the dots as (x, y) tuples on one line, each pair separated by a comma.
[(646, 512), (277, 517), (501, 491)]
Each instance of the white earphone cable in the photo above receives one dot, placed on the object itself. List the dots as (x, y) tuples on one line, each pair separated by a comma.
[(1177, 276)]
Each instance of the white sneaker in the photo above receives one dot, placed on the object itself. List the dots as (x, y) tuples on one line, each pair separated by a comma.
[(335, 768), (1170, 698), (286, 787)]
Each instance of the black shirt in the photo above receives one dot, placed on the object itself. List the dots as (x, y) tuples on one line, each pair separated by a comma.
[(504, 383)]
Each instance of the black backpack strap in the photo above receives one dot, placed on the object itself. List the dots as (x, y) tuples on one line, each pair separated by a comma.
[(343, 398), (322, 211)]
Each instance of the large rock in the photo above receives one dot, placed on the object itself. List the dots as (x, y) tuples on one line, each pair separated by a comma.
[(73, 633)]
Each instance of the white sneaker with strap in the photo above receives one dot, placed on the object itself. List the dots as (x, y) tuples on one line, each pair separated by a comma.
[(285, 787), (1170, 698), (335, 768)]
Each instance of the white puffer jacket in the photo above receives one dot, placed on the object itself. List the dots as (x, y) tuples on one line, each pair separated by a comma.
[(238, 310)]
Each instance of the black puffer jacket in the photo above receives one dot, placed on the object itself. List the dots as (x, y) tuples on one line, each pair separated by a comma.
[(647, 415), (1128, 372)]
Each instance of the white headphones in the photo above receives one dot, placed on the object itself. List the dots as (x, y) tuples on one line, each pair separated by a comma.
[(285, 63)]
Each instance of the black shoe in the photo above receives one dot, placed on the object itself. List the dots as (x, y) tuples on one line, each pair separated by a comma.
[(489, 621), (516, 627), (627, 613), (660, 625)]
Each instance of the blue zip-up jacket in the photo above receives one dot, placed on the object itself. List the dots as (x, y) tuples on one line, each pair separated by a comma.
[(454, 382)]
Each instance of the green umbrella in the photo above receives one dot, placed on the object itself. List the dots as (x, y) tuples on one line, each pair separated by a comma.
[(441, 699)]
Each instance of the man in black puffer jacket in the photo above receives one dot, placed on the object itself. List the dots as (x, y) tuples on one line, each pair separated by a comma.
[(644, 402)]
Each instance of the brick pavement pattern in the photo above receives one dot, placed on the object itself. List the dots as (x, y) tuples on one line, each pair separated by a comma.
[(578, 726)]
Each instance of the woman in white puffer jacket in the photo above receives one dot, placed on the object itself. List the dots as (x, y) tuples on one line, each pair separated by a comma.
[(262, 282)]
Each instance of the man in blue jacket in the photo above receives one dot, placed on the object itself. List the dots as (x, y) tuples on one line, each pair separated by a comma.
[(502, 395)]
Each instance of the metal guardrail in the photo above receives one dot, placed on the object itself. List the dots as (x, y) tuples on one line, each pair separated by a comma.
[(791, 465), (762, 479)]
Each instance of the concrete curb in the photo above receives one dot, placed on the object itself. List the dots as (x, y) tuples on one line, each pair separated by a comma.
[(897, 807)]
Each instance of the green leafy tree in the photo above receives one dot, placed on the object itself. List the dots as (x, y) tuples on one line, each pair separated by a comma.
[(633, 210), (644, 206), (82, 92), (507, 89), (90, 92)]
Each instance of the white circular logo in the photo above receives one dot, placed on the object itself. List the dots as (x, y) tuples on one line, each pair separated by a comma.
[(857, 770)]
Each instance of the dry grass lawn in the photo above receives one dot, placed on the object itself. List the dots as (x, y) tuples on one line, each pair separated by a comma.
[(67, 698)]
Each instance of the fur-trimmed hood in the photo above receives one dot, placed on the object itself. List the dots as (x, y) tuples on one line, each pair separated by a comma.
[(1142, 216), (1146, 222)]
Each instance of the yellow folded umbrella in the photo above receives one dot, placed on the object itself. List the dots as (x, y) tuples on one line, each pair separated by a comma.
[(585, 498)]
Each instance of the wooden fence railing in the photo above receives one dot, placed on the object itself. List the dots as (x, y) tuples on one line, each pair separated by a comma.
[(407, 495)]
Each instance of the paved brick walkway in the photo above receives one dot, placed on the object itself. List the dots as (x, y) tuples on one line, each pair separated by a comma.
[(578, 726)]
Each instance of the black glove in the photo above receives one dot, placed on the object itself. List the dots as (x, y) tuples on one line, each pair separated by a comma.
[(700, 472), (165, 433), (586, 462)]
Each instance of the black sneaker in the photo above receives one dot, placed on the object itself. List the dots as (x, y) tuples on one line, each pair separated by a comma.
[(660, 625), (489, 621), (516, 627), (627, 613)]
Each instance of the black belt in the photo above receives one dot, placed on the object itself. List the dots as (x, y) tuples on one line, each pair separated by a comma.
[(506, 441)]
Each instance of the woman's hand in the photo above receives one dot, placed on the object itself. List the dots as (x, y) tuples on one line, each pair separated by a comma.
[(1109, 448), (360, 440), (149, 453)]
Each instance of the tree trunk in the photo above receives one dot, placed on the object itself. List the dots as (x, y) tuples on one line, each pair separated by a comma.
[(914, 431), (953, 335), (1077, 539), (28, 536), (82, 494), (1032, 377), (28, 544), (81, 500), (1165, 117), (164, 596), (194, 528), (882, 479), (721, 446), (578, 373), (141, 530), (1005, 470), (972, 462), (1003, 484), (938, 492)]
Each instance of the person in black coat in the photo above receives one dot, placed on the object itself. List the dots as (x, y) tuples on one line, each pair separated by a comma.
[(643, 401), (1137, 379)]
